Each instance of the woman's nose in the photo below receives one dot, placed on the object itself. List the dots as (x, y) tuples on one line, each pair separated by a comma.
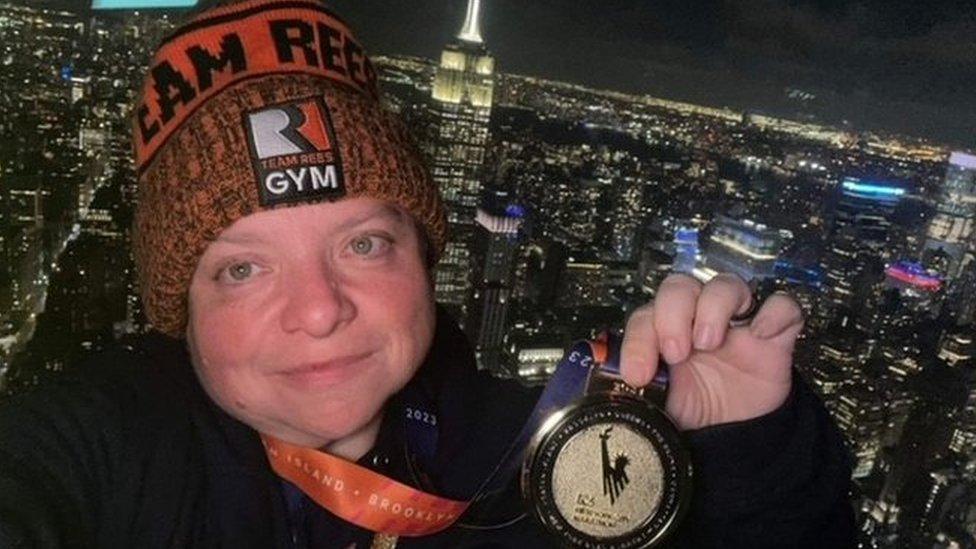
[(316, 302)]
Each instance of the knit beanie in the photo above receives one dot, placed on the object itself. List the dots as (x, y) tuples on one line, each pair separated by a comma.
[(251, 106)]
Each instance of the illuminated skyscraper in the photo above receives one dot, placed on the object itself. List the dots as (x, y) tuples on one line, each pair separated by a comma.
[(462, 93), (952, 227), (962, 295), (867, 207), (625, 196), (859, 413), (26, 225), (498, 243), (858, 246), (743, 247)]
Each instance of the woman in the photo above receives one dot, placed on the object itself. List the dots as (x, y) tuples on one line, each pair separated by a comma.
[(285, 235)]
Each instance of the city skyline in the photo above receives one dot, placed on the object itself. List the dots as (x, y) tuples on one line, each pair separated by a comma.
[(568, 204), (875, 66), (899, 66)]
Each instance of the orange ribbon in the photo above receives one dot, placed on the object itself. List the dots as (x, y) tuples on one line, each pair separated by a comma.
[(360, 496), (601, 347)]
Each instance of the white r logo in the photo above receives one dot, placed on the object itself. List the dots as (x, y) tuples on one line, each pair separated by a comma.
[(275, 132)]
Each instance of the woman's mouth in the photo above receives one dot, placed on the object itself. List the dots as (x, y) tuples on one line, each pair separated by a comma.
[(325, 373)]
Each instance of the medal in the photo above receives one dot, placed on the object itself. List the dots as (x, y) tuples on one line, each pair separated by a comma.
[(609, 470)]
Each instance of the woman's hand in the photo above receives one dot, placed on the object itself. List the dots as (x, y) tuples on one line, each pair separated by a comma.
[(718, 373)]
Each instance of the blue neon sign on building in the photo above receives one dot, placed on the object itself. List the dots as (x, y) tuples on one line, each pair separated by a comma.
[(858, 187), (515, 210)]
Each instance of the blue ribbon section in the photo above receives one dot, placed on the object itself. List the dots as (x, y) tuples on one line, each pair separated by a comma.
[(612, 365)]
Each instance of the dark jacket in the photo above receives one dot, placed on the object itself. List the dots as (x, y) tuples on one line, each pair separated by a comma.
[(130, 452)]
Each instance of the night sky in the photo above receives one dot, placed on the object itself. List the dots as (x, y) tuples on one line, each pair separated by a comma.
[(904, 65)]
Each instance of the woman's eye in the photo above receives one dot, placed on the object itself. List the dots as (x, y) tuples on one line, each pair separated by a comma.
[(239, 272), (367, 245)]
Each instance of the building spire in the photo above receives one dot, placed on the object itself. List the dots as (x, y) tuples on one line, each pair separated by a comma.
[(471, 31)]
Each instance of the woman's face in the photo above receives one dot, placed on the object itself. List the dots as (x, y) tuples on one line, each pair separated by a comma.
[(304, 320)]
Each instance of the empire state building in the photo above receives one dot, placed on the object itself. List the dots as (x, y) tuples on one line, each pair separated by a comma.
[(462, 99)]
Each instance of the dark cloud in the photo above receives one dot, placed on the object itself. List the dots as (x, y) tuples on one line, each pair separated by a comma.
[(896, 56)]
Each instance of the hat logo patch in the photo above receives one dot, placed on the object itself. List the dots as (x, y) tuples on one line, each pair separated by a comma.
[(294, 153)]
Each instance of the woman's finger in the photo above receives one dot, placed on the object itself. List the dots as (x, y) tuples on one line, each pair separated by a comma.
[(674, 315), (723, 297), (639, 349), (779, 315)]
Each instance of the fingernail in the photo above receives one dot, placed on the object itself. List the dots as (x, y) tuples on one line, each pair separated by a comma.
[(760, 329), (672, 351), (704, 337)]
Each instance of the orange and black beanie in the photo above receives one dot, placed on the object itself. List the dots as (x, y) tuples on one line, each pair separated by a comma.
[(255, 105)]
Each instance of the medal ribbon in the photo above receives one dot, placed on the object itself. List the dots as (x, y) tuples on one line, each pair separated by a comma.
[(360, 496)]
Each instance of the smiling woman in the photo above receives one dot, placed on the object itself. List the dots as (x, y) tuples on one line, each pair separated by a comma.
[(300, 388), (296, 287)]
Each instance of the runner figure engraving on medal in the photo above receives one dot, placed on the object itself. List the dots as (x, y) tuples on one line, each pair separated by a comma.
[(609, 470), (614, 473)]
